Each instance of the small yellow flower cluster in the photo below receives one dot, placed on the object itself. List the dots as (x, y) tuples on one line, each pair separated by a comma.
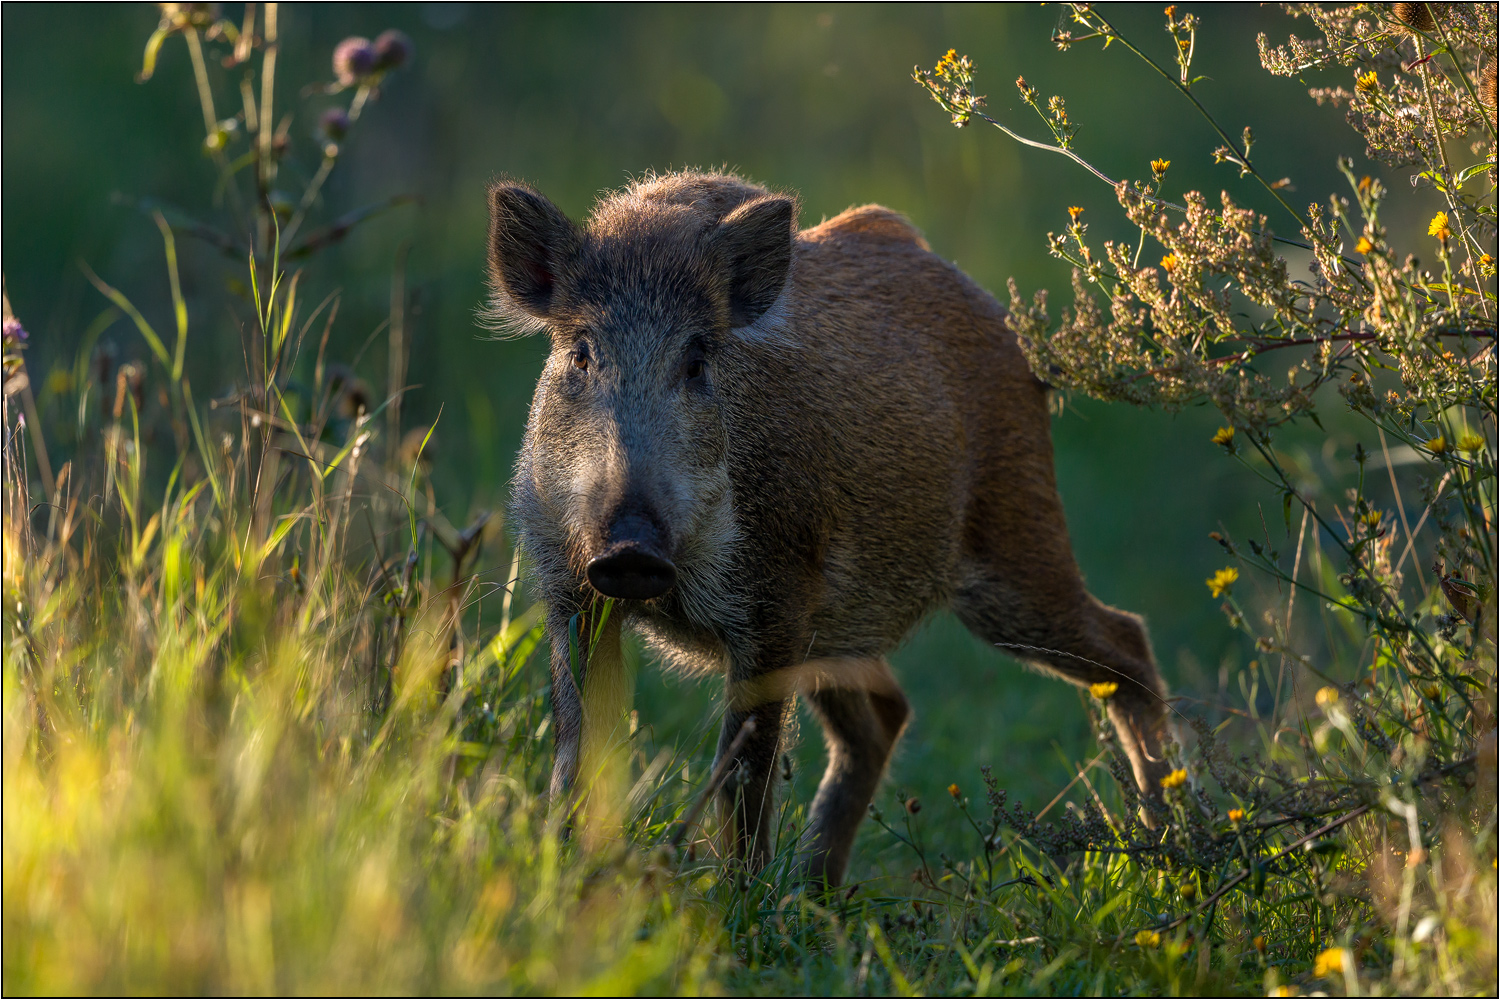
[(1438, 445), (1176, 779), (1224, 436), (954, 791), (1236, 816), (1439, 227), (1487, 263), (1147, 939), (1074, 212), (1159, 168), (1329, 962), (1364, 245), (1104, 690), (1221, 581), (1366, 82), (1471, 442), (1169, 263), (1326, 696)]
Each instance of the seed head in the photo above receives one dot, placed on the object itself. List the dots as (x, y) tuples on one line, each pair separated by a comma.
[(1487, 85), (913, 805), (1104, 690), (1414, 15), (353, 60), (1439, 227), (392, 49), (1222, 580), (1028, 92), (1176, 779)]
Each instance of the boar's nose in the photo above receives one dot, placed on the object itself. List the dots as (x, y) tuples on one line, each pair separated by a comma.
[(632, 565), (631, 571)]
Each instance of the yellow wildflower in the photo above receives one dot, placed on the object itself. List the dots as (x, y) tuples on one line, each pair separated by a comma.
[(1439, 227), (1366, 82), (1433, 692), (1221, 581), (1487, 263), (1329, 962), (1169, 263), (1159, 167), (1103, 690), (1260, 943), (1224, 436), (1364, 245), (1075, 212), (1236, 815), (1438, 445), (1284, 991), (1147, 939), (954, 791), (1471, 442), (1188, 891), (1176, 779), (1326, 696)]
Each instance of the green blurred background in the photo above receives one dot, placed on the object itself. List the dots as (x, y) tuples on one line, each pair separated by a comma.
[(577, 100)]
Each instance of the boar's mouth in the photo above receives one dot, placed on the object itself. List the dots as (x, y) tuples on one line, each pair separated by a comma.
[(632, 572)]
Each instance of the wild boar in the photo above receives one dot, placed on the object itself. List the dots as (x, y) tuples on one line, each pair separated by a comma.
[(778, 451)]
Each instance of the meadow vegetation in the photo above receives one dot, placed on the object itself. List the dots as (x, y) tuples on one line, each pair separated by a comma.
[(273, 724)]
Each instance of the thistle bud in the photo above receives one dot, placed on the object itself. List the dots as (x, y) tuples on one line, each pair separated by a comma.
[(334, 124), (353, 60), (392, 49)]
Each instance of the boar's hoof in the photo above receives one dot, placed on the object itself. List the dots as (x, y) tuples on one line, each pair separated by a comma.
[(631, 573)]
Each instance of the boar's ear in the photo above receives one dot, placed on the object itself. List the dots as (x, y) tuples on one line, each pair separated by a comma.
[(755, 243), (530, 242)]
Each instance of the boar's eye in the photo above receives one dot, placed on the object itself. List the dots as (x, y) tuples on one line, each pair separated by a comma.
[(581, 357), (694, 365)]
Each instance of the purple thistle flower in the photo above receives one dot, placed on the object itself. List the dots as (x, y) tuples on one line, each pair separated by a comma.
[(353, 60), (15, 334), (392, 49)]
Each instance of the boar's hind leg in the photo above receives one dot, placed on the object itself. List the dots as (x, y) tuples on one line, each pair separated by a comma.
[(1057, 625), (861, 728)]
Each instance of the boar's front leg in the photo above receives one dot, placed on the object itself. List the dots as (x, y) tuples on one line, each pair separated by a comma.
[(861, 725), (567, 707), (747, 793)]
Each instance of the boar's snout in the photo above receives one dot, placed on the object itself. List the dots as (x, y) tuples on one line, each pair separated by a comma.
[(631, 566)]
